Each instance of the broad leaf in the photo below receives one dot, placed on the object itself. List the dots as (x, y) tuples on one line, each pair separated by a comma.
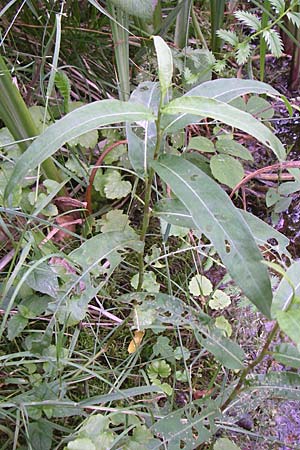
[(174, 212), (225, 90), (74, 124), (289, 322), (214, 214), (204, 107), (165, 64), (226, 170)]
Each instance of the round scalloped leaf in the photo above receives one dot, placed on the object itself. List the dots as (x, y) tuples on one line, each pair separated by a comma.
[(200, 285)]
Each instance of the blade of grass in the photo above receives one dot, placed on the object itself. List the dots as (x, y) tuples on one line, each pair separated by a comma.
[(262, 43), (217, 8), (182, 24)]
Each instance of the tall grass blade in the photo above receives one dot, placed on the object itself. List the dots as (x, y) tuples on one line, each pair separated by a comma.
[(182, 24), (217, 8), (262, 43)]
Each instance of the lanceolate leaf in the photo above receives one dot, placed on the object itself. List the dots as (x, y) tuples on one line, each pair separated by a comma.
[(214, 214), (174, 212), (143, 9), (165, 64), (284, 293), (82, 120), (288, 355), (215, 109), (224, 90)]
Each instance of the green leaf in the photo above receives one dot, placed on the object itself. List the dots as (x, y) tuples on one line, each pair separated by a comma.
[(174, 212), (63, 84), (283, 385), (33, 306), (274, 42), (43, 279), (165, 64), (249, 19), (15, 326), (115, 220), (202, 144), (219, 300), (215, 109), (149, 284), (81, 444), (288, 355), (259, 107), (200, 285), (158, 369), (74, 124), (224, 350), (233, 148), (214, 214), (279, 5), (143, 9), (223, 89), (228, 36), (115, 187), (294, 18), (225, 444), (105, 247), (284, 294), (40, 435), (243, 53), (289, 322), (222, 323), (226, 170)]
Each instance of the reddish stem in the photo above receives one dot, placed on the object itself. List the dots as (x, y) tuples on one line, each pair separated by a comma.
[(88, 195)]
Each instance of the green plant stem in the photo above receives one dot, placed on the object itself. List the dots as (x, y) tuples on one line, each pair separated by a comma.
[(18, 120), (250, 367), (197, 29), (147, 211)]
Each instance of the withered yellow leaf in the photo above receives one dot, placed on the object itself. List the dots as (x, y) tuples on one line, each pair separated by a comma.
[(136, 341)]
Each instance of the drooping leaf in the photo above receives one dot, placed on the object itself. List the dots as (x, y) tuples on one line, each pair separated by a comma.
[(202, 106), (165, 64), (288, 355), (226, 170), (214, 214), (222, 89), (74, 124), (174, 212)]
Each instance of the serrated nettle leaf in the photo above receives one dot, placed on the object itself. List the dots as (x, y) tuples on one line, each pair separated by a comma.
[(200, 285), (226, 170), (274, 42), (208, 107), (278, 4), (243, 52), (249, 19), (283, 296), (74, 124), (222, 89), (214, 214), (165, 64), (202, 144), (288, 355), (174, 212), (228, 36), (294, 18)]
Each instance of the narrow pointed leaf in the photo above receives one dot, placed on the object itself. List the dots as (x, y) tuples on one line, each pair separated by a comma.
[(225, 113), (284, 293), (74, 124), (165, 63), (174, 212), (288, 355), (214, 214), (225, 90)]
